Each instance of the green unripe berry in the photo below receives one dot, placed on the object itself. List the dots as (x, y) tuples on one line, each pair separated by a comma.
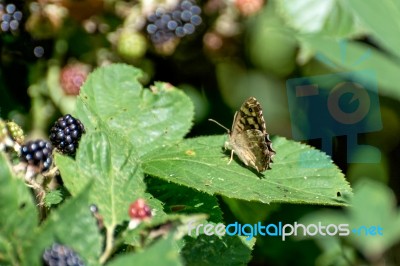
[(16, 132), (131, 45)]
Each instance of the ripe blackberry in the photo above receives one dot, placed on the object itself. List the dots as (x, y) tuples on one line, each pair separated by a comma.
[(10, 17), (66, 133), (37, 153), (164, 25), (58, 255)]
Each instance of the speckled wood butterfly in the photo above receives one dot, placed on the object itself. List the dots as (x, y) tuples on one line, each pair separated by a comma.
[(249, 138)]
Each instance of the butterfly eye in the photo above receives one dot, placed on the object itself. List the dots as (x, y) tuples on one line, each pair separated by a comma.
[(250, 110)]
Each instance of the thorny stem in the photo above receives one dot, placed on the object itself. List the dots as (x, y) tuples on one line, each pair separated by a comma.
[(40, 188), (42, 207), (40, 194), (109, 244)]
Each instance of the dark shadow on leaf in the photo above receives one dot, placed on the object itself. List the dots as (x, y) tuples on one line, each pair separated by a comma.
[(238, 161), (212, 250)]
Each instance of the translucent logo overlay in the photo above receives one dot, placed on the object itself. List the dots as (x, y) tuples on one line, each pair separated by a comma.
[(340, 104)]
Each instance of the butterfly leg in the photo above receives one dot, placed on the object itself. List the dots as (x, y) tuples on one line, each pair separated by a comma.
[(231, 157)]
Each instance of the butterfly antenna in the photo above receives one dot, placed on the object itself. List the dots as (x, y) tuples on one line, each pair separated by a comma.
[(219, 124)]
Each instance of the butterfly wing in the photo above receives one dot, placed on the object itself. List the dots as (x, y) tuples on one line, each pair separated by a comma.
[(252, 150), (249, 116), (249, 138)]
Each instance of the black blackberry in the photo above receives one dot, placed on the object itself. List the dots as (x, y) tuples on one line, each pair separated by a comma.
[(66, 133), (182, 20), (58, 255), (10, 17), (37, 153)]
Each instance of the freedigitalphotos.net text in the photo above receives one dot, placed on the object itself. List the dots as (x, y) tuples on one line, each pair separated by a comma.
[(280, 229)]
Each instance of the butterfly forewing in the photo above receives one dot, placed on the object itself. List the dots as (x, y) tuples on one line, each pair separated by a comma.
[(249, 117)]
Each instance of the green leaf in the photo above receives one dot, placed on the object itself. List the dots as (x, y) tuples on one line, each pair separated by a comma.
[(164, 253), (373, 205), (113, 100), (325, 17), (212, 250), (19, 216), (114, 168), (277, 59), (53, 197), (232, 78), (382, 18), (355, 56), (300, 174), (72, 224)]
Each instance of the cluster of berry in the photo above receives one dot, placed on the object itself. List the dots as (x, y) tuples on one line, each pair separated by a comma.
[(11, 135), (64, 135), (59, 254), (164, 25), (10, 17), (37, 153)]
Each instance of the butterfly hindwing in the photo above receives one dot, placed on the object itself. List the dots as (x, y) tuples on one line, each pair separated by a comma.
[(251, 149)]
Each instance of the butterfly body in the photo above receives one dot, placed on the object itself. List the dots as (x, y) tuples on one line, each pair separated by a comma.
[(249, 139)]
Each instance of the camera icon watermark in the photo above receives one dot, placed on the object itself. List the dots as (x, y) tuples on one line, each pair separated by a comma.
[(340, 104)]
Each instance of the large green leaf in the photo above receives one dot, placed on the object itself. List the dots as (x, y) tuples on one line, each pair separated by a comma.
[(112, 99), (113, 167), (355, 56), (382, 18), (277, 59), (328, 17), (73, 225), (300, 173), (22, 242), (374, 204), (18, 217), (373, 207)]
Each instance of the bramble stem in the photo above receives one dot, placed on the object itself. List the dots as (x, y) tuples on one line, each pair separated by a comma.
[(109, 244)]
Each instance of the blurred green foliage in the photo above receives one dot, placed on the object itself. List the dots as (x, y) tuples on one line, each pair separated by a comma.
[(233, 55)]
